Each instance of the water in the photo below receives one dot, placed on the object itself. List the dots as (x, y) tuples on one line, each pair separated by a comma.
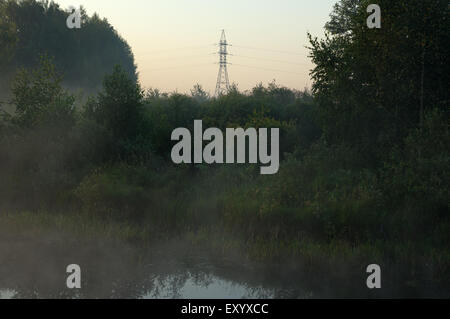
[(183, 285), (37, 269), (209, 287), (31, 268), (171, 288), (7, 293)]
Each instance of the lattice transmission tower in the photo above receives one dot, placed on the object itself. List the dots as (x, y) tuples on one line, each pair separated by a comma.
[(223, 83)]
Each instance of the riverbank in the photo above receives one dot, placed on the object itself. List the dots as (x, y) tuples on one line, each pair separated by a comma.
[(36, 246)]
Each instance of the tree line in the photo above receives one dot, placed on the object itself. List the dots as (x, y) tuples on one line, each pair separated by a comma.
[(365, 155)]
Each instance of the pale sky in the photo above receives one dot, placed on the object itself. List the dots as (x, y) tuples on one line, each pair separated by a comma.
[(173, 40)]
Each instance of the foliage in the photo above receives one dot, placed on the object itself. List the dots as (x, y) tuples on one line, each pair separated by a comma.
[(40, 99), (365, 157), (368, 82), (30, 28), (118, 109)]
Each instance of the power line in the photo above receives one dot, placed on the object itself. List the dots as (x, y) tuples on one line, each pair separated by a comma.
[(273, 60), (210, 64), (266, 69), (182, 57), (269, 50), (178, 67), (223, 83), (173, 49)]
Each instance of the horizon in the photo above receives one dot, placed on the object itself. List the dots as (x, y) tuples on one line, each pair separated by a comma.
[(175, 56)]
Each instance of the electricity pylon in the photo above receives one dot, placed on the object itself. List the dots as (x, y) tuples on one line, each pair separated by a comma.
[(223, 84)]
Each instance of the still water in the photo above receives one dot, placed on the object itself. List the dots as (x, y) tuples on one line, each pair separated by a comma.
[(37, 269), (185, 287)]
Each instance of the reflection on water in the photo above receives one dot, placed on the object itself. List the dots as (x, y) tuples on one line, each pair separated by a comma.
[(37, 269), (7, 294), (191, 286), (178, 287), (186, 285)]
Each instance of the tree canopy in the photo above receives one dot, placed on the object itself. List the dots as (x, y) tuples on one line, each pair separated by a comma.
[(373, 85), (31, 28)]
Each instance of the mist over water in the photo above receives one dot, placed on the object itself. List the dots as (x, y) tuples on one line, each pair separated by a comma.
[(36, 269), (31, 268), (361, 181)]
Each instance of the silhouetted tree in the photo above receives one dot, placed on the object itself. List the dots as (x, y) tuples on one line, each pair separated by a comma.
[(30, 28)]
